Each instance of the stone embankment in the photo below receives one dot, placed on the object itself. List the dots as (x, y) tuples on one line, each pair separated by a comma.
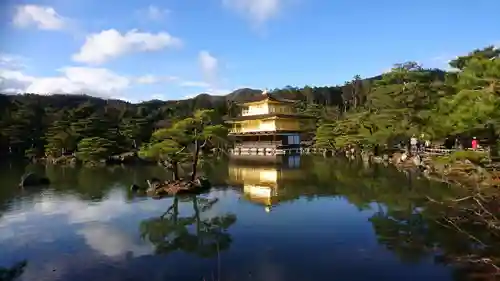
[(457, 170)]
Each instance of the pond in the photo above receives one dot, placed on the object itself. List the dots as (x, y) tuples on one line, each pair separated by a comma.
[(266, 218)]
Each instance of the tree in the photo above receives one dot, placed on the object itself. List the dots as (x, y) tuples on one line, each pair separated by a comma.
[(60, 139), (135, 130), (187, 137), (94, 149), (406, 100), (487, 53), (477, 99)]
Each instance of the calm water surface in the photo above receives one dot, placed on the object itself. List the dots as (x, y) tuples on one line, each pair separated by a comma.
[(303, 219)]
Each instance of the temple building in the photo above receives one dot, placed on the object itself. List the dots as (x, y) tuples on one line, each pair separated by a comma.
[(268, 125)]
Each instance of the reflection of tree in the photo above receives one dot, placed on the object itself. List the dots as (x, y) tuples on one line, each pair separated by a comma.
[(475, 220), (414, 235), (171, 232), (406, 223), (405, 233), (13, 272), (363, 185)]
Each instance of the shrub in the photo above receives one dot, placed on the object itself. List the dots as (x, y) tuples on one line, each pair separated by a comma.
[(475, 157)]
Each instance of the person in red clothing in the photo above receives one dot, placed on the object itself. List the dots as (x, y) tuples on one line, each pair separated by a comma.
[(474, 143)]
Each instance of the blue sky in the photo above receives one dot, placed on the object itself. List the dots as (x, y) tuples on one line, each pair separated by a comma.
[(172, 49)]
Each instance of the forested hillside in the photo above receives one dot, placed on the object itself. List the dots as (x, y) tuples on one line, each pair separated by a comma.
[(407, 100), (35, 125), (411, 100)]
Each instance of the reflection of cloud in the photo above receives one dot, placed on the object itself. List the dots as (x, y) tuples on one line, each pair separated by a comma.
[(51, 227), (111, 242), (37, 221), (6, 233), (12, 218), (78, 211)]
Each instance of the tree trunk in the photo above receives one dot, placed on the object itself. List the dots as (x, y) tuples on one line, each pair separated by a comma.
[(175, 169), (493, 139), (195, 159)]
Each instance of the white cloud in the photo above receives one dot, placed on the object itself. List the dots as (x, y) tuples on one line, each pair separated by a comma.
[(152, 79), (258, 11), (43, 17), (10, 61), (209, 66), (73, 80), (196, 84), (147, 79), (218, 92), (158, 97), (154, 13), (109, 44)]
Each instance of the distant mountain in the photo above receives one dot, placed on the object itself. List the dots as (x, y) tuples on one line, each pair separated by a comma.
[(243, 94), (330, 95)]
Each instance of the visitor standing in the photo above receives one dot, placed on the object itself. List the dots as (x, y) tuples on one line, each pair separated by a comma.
[(413, 143), (474, 143)]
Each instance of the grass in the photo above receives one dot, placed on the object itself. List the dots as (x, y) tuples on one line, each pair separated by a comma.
[(476, 157)]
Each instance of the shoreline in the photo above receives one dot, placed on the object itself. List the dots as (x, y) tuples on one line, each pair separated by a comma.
[(465, 168), (462, 172)]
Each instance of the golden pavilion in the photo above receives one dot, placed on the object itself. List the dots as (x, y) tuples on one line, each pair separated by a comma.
[(268, 124)]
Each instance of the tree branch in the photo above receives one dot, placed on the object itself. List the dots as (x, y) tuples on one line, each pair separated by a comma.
[(204, 143), (181, 150)]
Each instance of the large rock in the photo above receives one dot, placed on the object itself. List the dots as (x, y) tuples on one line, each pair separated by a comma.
[(124, 158), (134, 187), (63, 160), (417, 161), (32, 179), (396, 158)]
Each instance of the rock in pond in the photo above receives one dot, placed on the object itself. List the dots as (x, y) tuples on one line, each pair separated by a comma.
[(135, 187)]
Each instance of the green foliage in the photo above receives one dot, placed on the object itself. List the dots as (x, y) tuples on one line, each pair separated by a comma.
[(94, 149), (412, 100), (476, 157), (473, 156), (53, 125), (185, 138), (407, 100), (487, 53)]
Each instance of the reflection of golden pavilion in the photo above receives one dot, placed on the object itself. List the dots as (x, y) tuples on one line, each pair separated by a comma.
[(261, 184)]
